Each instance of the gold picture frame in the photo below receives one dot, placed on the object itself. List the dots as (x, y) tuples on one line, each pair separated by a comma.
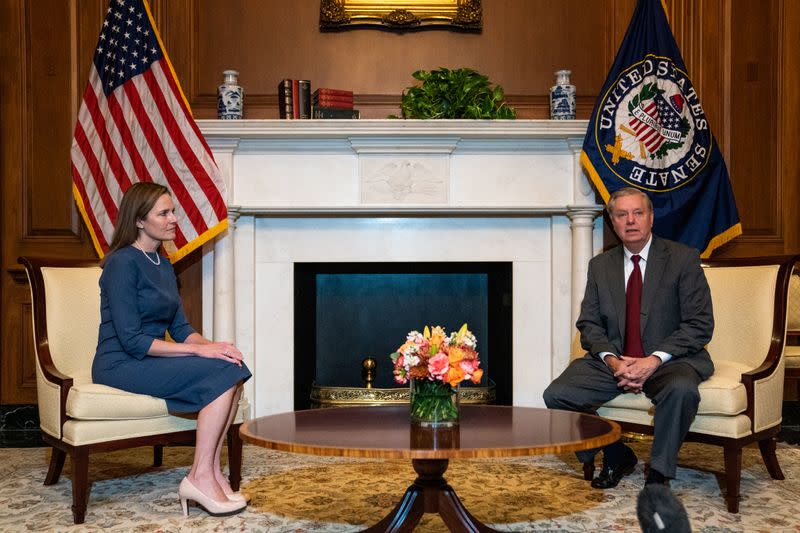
[(408, 15)]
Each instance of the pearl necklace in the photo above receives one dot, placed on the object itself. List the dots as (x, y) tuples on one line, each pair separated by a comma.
[(158, 257)]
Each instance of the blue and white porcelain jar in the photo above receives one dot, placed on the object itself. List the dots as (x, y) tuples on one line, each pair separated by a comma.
[(230, 97), (562, 97)]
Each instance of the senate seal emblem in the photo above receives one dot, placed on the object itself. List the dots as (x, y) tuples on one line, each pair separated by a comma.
[(651, 130)]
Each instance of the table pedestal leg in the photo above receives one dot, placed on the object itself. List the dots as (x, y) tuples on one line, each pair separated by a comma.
[(429, 493)]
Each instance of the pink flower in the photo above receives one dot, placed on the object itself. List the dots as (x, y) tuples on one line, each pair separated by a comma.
[(400, 375), (470, 365), (438, 365)]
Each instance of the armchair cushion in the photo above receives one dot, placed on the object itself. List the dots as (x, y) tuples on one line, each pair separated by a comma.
[(92, 401), (735, 427), (722, 394), (87, 432)]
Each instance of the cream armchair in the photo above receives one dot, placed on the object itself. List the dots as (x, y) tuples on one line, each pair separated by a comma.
[(741, 403), (79, 417)]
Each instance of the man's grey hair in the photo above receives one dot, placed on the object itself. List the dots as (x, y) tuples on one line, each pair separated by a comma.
[(627, 191)]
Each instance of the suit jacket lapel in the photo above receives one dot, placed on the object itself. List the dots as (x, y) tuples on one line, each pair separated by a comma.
[(656, 261), (616, 282)]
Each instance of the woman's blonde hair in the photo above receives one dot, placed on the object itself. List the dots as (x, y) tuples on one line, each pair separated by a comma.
[(137, 201)]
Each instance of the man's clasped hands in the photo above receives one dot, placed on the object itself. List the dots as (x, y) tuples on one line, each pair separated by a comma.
[(632, 372)]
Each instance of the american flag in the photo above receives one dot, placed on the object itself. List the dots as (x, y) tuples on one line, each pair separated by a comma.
[(658, 122), (135, 124)]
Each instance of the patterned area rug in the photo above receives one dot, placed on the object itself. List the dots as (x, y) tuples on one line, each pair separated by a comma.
[(296, 493)]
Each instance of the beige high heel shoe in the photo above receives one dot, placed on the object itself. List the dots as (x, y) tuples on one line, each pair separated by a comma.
[(238, 496), (188, 492)]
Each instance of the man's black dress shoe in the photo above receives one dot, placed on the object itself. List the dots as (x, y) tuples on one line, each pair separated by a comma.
[(611, 475)]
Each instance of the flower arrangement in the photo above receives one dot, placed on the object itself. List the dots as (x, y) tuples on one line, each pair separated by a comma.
[(435, 356), (436, 363)]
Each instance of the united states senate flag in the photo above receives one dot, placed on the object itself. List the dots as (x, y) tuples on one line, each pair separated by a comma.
[(648, 130)]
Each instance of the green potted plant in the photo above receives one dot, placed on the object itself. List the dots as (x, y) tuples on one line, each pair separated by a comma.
[(459, 93)]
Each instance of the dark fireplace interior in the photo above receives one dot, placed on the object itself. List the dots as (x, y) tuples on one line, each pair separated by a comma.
[(345, 312)]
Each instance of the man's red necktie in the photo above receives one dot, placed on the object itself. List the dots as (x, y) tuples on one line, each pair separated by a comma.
[(633, 301)]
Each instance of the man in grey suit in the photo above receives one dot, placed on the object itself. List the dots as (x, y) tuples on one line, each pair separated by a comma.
[(645, 319)]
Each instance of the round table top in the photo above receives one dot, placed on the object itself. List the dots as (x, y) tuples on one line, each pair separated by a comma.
[(386, 432)]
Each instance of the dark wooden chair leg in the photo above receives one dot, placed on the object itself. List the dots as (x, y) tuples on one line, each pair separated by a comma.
[(158, 455), (733, 475), (80, 483), (767, 447), (588, 470), (56, 465), (234, 456)]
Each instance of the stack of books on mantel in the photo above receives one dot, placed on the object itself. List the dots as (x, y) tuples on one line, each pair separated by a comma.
[(294, 99), (333, 103)]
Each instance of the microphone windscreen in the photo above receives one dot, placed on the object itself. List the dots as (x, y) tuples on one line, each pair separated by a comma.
[(660, 511)]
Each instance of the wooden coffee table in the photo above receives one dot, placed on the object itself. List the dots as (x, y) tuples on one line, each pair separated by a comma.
[(386, 433)]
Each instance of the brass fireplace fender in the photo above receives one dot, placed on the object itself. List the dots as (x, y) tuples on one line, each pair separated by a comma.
[(322, 396)]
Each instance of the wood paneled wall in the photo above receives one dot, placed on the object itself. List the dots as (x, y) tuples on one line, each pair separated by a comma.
[(743, 58)]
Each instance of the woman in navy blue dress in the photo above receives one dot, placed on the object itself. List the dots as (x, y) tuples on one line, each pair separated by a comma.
[(139, 303)]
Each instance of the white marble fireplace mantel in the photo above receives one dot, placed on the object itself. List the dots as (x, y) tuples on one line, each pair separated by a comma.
[(398, 191)]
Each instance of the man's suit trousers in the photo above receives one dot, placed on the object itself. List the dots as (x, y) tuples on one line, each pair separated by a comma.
[(588, 383)]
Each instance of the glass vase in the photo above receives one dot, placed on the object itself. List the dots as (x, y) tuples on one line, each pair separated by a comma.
[(433, 403)]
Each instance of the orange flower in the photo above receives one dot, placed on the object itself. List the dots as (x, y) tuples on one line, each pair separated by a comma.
[(454, 376), (404, 346), (455, 354), (437, 336), (477, 375)]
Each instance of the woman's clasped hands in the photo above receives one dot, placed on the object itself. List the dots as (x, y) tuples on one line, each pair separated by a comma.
[(220, 350)]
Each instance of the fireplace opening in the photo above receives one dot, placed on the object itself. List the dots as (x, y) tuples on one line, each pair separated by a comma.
[(346, 312)]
